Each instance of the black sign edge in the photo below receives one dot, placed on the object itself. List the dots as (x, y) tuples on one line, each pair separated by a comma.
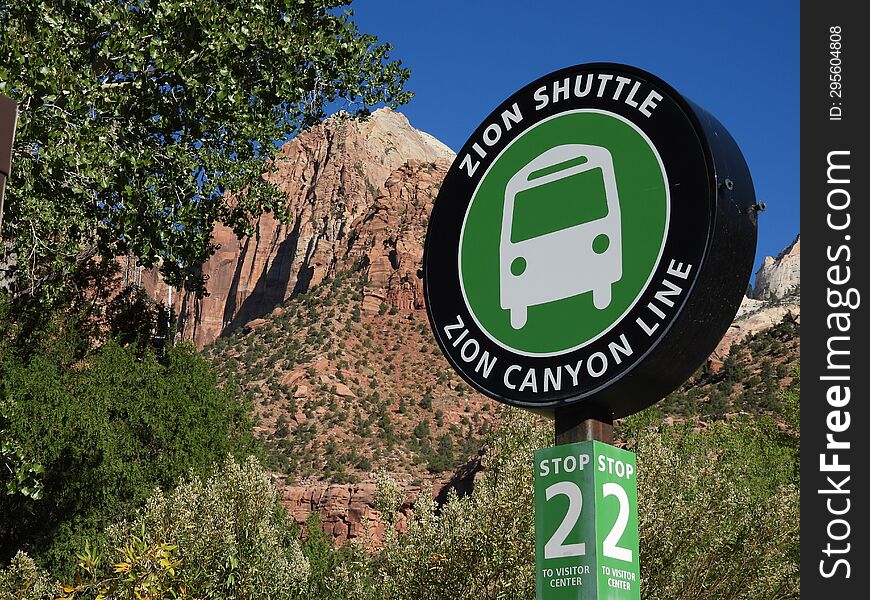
[(693, 113)]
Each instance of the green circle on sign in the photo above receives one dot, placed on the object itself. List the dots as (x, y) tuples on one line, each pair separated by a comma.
[(580, 202)]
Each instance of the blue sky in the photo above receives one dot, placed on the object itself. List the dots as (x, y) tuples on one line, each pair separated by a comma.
[(737, 59)]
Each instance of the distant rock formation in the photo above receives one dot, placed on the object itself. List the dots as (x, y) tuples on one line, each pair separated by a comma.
[(347, 511), (781, 276), (776, 293)]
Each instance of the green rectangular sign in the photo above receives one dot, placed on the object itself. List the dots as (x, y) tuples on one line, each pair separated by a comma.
[(586, 540)]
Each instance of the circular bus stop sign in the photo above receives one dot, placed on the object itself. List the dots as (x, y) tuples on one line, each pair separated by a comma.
[(590, 244)]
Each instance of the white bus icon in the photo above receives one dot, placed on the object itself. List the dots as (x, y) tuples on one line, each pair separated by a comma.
[(573, 255)]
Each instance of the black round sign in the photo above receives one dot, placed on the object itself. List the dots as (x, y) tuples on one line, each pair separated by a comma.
[(590, 244)]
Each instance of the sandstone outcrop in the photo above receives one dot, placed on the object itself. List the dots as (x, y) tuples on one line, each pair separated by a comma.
[(389, 238), (781, 276), (777, 284), (347, 511)]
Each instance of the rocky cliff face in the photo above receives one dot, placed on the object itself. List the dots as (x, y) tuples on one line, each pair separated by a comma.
[(347, 511), (776, 293), (345, 183), (781, 276), (389, 237)]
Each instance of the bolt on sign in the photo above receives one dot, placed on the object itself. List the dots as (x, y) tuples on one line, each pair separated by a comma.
[(587, 250), (586, 544), (590, 244)]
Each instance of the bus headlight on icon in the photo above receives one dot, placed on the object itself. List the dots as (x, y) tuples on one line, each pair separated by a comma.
[(561, 233)]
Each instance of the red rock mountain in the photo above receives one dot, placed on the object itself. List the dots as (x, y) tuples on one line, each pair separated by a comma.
[(356, 191)]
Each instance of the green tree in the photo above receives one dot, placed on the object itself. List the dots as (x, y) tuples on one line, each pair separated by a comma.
[(107, 430), (719, 513), (336, 574), (421, 430), (144, 122), (768, 396), (718, 404), (733, 368), (442, 458)]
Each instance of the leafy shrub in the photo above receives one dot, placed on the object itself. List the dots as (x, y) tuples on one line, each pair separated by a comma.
[(719, 513), (718, 518), (24, 580), (143, 571), (477, 546), (223, 537)]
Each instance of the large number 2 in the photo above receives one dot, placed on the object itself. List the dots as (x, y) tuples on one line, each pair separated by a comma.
[(556, 548), (609, 547)]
